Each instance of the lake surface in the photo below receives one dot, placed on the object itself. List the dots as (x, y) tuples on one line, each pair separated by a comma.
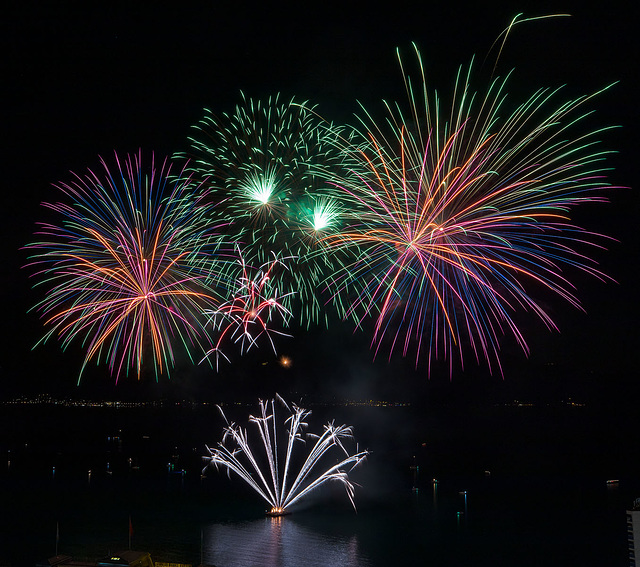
[(515, 486)]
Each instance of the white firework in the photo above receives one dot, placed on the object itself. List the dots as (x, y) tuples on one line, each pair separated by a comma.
[(281, 486)]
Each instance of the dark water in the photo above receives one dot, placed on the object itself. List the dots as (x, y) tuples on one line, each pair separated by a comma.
[(516, 486)]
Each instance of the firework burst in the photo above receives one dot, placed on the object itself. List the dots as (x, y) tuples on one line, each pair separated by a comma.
[(271, 474), (128, 269), (249, 314), (457, 219), (257, 163)]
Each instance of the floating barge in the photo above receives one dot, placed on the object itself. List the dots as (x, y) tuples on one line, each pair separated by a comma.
[(277, 512)]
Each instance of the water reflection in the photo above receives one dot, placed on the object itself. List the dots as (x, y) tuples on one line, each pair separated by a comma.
[(435, 495), (278, 542)]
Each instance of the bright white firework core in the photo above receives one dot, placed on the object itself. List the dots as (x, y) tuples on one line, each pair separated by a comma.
[(260, 186), (320, 220), (323, 214)]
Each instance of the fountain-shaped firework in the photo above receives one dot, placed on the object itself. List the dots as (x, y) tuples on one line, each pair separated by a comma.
[(282, 486)]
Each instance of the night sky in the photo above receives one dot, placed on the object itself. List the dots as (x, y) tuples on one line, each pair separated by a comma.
[(81, 80)]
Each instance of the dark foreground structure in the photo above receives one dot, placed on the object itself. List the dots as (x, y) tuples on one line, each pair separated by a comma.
[(121, 559)]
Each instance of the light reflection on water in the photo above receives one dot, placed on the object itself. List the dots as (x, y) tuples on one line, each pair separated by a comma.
[(278, 542)]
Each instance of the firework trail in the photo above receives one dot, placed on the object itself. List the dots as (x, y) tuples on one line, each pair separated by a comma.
[(273, 475), (257, 163), (249, 314), (128, 269), (459, 220)]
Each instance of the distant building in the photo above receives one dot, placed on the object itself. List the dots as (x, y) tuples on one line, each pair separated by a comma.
[(633, 534)]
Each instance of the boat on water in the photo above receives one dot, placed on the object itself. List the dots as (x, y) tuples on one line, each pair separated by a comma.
[(277, 512)]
